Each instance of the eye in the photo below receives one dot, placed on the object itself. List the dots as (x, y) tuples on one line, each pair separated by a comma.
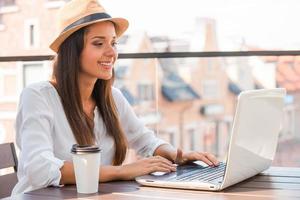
[(98, 43), (114, 44)]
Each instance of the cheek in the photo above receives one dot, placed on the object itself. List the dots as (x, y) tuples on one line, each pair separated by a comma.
[(86, 63), (88, 58), (116, 55)]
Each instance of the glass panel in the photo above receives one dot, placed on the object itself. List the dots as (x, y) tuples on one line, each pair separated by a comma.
[(176, 107), (10, 89), (32, 73), (31, 35), (145, 91), (7, 3)]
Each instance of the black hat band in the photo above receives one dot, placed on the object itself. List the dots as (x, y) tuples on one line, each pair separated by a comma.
[(87, 19)]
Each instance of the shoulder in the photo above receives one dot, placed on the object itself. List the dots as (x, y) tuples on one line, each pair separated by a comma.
[(119, 96), (116, 93), (40, 90), (120, 100), (39, 86)]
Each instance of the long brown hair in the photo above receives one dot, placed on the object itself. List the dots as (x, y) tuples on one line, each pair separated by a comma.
[(65, 72)]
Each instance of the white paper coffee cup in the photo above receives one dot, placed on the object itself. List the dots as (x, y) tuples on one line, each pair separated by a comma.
[(86, 161)]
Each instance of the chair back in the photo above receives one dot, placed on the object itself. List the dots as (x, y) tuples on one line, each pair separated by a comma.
[(8, 158)]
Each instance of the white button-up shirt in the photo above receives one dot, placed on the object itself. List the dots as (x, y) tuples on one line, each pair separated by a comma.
[(45, 138)]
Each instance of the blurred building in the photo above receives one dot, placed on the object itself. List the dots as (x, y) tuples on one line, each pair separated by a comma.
[(26, 28)]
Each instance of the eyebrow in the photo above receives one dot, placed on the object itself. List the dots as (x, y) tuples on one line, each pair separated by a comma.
[(102, 37)]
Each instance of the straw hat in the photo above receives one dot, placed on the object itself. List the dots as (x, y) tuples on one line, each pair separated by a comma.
[(80, 13)]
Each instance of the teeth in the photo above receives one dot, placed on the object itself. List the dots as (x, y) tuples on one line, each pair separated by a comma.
[(105, 63)]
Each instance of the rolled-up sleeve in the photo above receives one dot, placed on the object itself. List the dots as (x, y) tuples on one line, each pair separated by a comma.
[(139, 137), (34, 125)]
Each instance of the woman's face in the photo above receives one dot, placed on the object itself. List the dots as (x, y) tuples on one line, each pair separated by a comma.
[(99, 52)]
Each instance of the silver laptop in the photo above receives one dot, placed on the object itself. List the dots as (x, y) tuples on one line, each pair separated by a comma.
[(252, 146)]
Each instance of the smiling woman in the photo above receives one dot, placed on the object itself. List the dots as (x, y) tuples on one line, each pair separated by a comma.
[(79, 105)]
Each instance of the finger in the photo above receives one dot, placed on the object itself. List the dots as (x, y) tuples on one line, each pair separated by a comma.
[(159, 159), (203, 158), (162, 167), (178, 156), (156, 168), (170, 167), (212, 158)]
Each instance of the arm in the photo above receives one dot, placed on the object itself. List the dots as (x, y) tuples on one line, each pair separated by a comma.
[(107, 173), (138, 168), (38, 165), (166, 151), (67, 174), (123, 172)]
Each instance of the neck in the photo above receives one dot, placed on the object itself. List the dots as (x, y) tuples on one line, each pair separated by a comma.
[(86, 88)]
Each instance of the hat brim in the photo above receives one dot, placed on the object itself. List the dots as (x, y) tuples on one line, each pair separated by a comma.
[(121, 26)]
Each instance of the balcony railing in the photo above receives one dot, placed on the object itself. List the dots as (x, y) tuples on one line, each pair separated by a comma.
[(166, 55)]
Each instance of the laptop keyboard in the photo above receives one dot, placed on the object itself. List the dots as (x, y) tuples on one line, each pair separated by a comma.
[(202, 174)]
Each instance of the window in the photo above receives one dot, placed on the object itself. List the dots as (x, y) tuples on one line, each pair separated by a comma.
[(6, 3), (8, 85), (2, 133), (32, 73), (8, 6), (1, 23), (146, 92), (31, 33)]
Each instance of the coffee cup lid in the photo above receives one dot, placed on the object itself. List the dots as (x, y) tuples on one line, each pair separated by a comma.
[(80, 149)]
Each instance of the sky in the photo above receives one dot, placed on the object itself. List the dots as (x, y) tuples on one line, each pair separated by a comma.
[(270, 24)]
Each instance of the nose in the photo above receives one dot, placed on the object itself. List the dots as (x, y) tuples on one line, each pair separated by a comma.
[(110, 51)]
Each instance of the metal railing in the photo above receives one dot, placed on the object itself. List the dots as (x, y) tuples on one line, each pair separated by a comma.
[(166, 55)]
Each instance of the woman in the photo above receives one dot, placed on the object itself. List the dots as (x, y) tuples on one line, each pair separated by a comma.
[(79, 105)]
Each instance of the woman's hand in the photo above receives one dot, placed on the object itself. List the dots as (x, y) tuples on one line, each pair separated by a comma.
[(182, 158), (146, 166)]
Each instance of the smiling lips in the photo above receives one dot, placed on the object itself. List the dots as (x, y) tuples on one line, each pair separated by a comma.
[(106, 65)]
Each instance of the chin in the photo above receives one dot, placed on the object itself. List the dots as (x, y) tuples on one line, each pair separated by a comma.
[(106, 78)]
